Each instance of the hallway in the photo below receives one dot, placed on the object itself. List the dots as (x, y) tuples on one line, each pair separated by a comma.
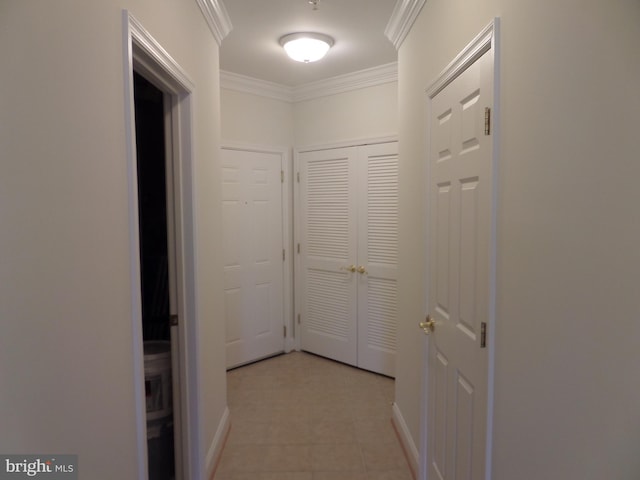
[(303, 417)]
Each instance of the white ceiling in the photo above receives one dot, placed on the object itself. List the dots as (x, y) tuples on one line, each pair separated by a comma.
[(252, 47)]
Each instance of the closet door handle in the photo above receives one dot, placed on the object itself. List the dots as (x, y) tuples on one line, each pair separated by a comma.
[(350, 268), (428, 326), (362, 270)]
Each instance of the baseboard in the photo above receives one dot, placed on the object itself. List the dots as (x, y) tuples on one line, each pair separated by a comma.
[(217, 445), (406, 440)]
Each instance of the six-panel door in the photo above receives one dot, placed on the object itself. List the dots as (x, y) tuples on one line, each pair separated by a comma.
[(460, 208)]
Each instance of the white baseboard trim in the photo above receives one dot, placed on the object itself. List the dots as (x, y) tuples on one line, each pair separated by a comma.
[(406, 439), (215, 449)]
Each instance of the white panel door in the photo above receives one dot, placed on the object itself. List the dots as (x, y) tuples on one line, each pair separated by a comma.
[(253, 262), (460, 209), (377, 256), (328, 253)]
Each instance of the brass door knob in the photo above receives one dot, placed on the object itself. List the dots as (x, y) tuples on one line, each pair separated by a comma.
[(362, 270), (350, 268), (428, 326)]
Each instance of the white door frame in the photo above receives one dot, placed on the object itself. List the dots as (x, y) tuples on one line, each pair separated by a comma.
[(485, 43), (287, 227), (146, 56)]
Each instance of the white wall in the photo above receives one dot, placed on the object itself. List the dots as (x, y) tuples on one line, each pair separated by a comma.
[(357, 114), (255, 119), (66, 348), (567, 356), (352, 115)]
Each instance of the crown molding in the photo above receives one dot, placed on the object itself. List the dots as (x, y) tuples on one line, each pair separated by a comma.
[(369, 77), (215, 13), (245, 84), (404, 15)]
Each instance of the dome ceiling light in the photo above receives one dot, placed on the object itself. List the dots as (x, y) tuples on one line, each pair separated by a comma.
[(306, 46)]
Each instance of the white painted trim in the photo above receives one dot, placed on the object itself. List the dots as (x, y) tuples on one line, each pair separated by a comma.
[(486, 42), (134, 259), (145, 55), (262, 88), (493, 284), (476, 48), (287, 228), (214, 451), (297, 269), (152, 49), (369, 77), (356, 142), (406, 439), (252, 147), (402, 19), (287, 214), (217, 18)]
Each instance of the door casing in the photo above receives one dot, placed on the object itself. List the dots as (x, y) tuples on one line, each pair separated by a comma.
[(146, 56), (485, 43)]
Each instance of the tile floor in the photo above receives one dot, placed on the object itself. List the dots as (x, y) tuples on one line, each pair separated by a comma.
[(303, 417)]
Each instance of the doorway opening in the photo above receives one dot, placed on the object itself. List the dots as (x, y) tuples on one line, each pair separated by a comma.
[(152, 209), (153, 230), (163, 289)]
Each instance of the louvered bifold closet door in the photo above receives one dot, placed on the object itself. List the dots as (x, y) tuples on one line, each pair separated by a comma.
[(378, 254), (328, 249)]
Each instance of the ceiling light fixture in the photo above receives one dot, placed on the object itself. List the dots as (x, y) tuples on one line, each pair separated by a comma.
[(306, 47)]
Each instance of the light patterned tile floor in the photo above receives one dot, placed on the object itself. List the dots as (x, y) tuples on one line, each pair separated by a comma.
[(303, 417)]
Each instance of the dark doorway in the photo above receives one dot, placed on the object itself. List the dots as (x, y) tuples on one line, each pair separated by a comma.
[(152, 209), (154, 273)]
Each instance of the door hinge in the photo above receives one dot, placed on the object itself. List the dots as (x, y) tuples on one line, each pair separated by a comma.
[(487, 121), (173, 320), (282, 176), (284, 331), (298, 319), (483, 335), (283, 254), (298, 176), (298, 248)]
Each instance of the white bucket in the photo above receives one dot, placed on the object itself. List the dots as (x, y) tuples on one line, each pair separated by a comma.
[(160, 449), (157, 379)]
